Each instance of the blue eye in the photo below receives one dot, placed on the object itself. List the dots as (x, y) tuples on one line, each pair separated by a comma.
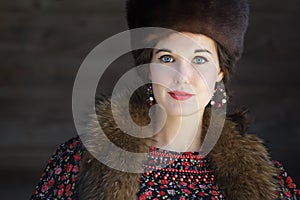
[(166, 59), (199, 60)]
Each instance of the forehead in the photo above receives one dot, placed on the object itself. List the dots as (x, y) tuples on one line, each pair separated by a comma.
[(186, 42)]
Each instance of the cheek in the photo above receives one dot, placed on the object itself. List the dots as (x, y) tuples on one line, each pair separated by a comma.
[(159, 79), (161, 75), (206, 78), (157, 91)]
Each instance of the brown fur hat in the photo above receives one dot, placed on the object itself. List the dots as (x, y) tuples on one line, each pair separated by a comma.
[(225, 21)]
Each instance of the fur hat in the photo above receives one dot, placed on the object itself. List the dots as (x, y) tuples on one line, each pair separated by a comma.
[(225, 21)]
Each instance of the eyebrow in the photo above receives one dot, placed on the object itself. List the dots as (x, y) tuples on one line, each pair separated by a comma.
[(202, 50), (163, 50), (169, 51)]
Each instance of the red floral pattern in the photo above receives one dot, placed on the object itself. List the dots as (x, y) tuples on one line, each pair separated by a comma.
[(176, 175), (58, 180), (286, 187), (189, 177)]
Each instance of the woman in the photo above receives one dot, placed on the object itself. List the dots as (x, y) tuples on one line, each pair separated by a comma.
[(187, 68)]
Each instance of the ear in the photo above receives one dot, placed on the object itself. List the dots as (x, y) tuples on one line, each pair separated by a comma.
[(220, 76)]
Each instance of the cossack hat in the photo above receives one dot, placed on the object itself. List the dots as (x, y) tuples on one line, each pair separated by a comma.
[(225, 21)]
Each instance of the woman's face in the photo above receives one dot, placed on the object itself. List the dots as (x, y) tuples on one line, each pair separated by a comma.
[(184, 69)]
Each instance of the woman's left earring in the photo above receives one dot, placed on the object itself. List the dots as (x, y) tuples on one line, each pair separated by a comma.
[(150, 97), (219, 97)]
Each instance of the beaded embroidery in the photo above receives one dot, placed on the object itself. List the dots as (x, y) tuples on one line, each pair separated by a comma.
[(175, 175)]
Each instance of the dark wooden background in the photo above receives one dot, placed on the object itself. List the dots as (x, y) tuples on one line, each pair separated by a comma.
[(43, 42)]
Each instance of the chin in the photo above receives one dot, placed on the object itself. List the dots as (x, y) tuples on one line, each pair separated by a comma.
[(183, 109)]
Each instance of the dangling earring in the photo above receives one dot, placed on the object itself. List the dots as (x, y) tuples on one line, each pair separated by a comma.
[(219, 97), (150, 97)]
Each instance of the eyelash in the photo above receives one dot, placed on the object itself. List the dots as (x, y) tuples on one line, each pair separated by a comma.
[(173, 60), (164, 56), (205, 60)]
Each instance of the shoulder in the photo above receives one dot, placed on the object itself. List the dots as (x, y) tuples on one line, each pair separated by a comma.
[(239, 123), (287, 189), (59, 177)]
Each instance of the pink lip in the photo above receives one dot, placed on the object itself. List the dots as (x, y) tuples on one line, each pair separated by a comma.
[(179, 95)]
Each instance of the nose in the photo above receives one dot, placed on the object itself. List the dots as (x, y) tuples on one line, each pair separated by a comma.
[(184, 72)]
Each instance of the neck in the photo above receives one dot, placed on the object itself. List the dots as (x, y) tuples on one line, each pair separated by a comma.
[(181, 133)]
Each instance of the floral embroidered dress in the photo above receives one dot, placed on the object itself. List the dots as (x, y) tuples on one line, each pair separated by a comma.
[(177, 175), (168, 175)]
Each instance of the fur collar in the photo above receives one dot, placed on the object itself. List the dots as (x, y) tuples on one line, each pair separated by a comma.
[(240, 161)]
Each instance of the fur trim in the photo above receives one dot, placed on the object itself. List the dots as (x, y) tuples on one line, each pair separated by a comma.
[(240, 161), (224, 21), (243, 166)]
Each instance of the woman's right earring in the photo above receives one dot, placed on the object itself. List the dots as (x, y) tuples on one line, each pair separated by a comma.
[(150, 97)]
